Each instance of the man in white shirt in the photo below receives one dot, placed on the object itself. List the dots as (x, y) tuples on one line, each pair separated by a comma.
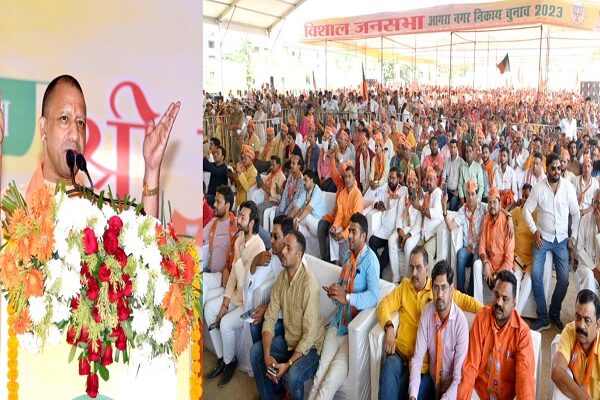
[(330, 105), (389, 203), (568, 125), (276, 114), (451, 174), (585, 186), (588, 247), (555, 200), (518, 158), (505, 180)]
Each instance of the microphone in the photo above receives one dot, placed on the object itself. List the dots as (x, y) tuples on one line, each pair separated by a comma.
[(71, 164), (82, 165)]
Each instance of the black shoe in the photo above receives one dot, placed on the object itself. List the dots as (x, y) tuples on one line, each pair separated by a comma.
[(218, 370), (228, 373), (558, 323)]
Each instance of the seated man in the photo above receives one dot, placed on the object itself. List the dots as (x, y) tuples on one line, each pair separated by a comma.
[(219, 235), (576, 364), (500, 362), (470, 219), (408, 229), (409, 298), (587, 246), (363, 162), (585, 186), (266, 266), (444, 334), (268, 191), (357, 289), (270, 149), (244, 175), (379, 171), (431, 212), (349, 202), (389, 203), (292, 358), (505, 180), (496, 247), (310, 207), (294, 188), (218, 173), (223, 313), (535, 173)]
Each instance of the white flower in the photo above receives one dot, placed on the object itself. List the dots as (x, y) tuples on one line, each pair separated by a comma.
[(162, 333), (70, 285), (161, 287), (151, 256), (133, 243), (53, 336), (61, 246), (73, 259), (128, 217), (60, 311), (55, 268), (30, 342), (140, 285), (141, 321), (141, 355), (37, 309)]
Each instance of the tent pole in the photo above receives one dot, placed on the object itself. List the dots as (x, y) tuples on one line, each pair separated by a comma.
[(325, 65), (488, 64), (437, 47), (540, 59), (381, 61), (415, 62), (474, 48), (450, 74)]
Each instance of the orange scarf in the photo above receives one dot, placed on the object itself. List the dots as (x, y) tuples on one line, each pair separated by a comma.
[(269, 181), (506, 197), (494, 363), (37, 181), (347, 282), (267, 150), (471, 219), (379, 166), (575, 365), (582, 190), (439, 346), (211, 240)]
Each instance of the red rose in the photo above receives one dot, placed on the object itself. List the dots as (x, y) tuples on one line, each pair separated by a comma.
[(95, 354), (121, 344), (75, 303), (84, 366), (111, 241), (96, 315), (91, 385), (188, 273), (115, 224), (171, 231), (71, 339), (123, 310), (85, 270), (83, 335), (107, 356), (104, 273), (114, 294), (118, 332), (170, 267), (90, 243), (93, 289), (128, 288), (121, 257)]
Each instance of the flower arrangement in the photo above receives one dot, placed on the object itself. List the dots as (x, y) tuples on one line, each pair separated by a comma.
[(121, 285)]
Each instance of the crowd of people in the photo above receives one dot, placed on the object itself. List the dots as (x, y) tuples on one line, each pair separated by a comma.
[(515, 171)]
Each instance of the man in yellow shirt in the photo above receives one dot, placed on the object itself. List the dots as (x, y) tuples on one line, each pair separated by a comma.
[(576, 364), (244, 175), (408, 298)]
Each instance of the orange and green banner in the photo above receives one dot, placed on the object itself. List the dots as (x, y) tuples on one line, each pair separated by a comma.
[(457, 17)]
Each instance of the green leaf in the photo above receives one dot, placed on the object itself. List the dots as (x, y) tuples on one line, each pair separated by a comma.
[(72, 353), (117, 353), (125, 356), (103, 372)]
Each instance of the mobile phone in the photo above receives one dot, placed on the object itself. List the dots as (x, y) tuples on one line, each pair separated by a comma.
[(444, 188), (325, 288), (273, 371), (412, 192), (247, 314), (213, 326)]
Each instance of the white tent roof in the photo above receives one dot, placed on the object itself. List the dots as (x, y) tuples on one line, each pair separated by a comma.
[(249, 15)]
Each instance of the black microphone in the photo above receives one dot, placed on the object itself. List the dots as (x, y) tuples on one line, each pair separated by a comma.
[(82, 165), (71, 164)]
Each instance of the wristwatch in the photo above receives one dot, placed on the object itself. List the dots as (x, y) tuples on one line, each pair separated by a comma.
[(348, 298)]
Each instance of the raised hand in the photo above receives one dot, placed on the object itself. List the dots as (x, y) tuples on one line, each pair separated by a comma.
[(157, 137)]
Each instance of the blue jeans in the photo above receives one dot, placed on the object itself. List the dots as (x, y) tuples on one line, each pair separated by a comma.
[(256, 330), (560, 258), (464, 260), (454, 201), (393, 381), (303, 369)]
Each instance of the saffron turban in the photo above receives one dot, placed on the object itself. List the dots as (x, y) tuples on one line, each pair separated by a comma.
[(471, 186), (247, 150), (494, 193)]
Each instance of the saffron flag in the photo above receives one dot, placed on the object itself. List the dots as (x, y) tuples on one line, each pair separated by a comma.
[(504, 65), (363, 85)]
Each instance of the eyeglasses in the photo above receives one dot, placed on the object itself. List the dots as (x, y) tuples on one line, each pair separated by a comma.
[(274, 236), (554, 167)]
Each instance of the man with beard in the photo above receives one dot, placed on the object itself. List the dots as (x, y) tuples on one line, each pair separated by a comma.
[(269, 150), (565, 172), (555, 199), (223, 313), (588, 248), (444, 334), (390, 203), (379, 172), (219, 234), (362, 163), (451, 174), (218, 173), (499, 363), (488, 166), (576, 364), (312, 151), (431, 212), (536, 173), (347, 151), (574, 165), (407, 161), (357, 289), (496, 247), (433, 160), (519, 156), (506, 181), (408, 299), (266, 266), (293, 187), (585, 186), (470, 170), (268, 191), (244, 175), (310, 207), (349, 202), (290, 359), (291, 148)]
